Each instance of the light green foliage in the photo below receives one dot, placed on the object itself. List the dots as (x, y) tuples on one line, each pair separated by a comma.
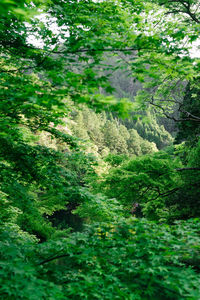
[(45, 187), (78, 127), (94, 123), (148, 180), (188, 9), (134, 142), (115, 160), (87, 125), (151, 131), (114, 140), (148, 147), (36, 84), (99, 208), (138, 146), (109, 133), (124, 132)]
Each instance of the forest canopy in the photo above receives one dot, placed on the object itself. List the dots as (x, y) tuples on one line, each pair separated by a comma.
[(99, 149)]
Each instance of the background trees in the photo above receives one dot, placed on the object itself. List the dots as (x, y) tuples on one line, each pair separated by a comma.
[(111, 134), (48, 188)]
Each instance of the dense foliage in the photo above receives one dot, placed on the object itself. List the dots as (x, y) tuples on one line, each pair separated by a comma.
[(132, 259), (110, 135), (90, 208)]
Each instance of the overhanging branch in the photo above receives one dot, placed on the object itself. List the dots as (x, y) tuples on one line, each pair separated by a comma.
[(190, 117), (188, 169)]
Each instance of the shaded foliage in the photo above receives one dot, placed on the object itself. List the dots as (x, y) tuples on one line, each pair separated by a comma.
[(46, 175), (133, 259)]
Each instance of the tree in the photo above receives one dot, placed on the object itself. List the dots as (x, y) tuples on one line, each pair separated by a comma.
[(188, 127), (130, 259), (151, 131), (164, 76), (36, 84), (187, 8), (113, 139), (134, 142), (42, 186), (148, 180)]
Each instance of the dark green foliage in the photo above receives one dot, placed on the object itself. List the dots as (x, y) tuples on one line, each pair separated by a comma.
[(36, 85), (152, 132), (19, 276), (38, 181), (48, 193), (156, 186), (188, 128), (188, 196), (148, 181), (132, 259)]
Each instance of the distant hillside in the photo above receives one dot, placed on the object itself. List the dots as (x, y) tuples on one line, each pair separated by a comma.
[(110, 135)]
